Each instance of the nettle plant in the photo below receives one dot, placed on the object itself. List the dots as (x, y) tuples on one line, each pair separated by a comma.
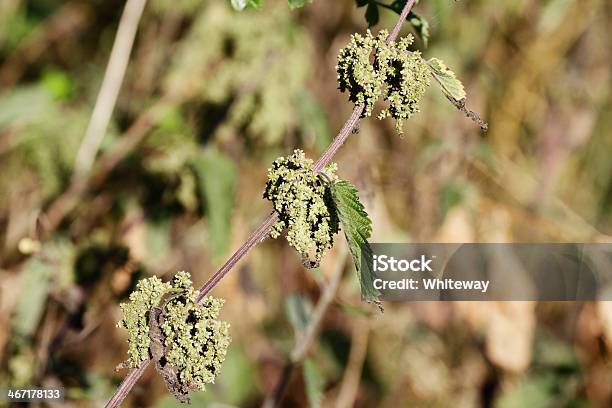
[(177, 327)]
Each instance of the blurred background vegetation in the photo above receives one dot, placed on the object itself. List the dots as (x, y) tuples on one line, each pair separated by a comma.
[(211, 96)]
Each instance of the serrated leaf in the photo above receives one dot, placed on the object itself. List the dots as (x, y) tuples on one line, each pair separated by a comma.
[(446, 78), (293, 4), (371, 14), (299, 311), (314, 381), (421, 26), (357, 228), (216, 176)]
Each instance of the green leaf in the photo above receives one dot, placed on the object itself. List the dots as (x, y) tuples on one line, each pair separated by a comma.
[(357, 229), (34, 286), (452, 195), (156, 242), (397, 6), (371, 14), (299, 311), (238, 378), (254, 4), (58, 83), (24, 104), (293, 4), (53, 263), (240, 5), (447, 80), (314, 381), (532, 391), (216, 176), (421, 27)]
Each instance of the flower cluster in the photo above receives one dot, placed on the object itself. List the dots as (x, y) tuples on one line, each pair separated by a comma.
[(303, 201), (406, 78), (397, 74), (356, 74), (187, 340), (147, 295)]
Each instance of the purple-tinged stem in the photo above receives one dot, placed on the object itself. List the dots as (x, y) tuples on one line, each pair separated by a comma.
[(255, 238), (126, 385)]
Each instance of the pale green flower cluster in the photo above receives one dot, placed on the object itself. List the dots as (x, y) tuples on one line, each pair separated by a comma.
[(397, 74), (135, 317), (303, 201), (356, 74), (406, 78), (195, 341)]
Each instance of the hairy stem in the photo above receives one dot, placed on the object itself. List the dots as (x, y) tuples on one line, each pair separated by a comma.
[(255, 238), (127, 384), (264, 229), (393, 36)]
